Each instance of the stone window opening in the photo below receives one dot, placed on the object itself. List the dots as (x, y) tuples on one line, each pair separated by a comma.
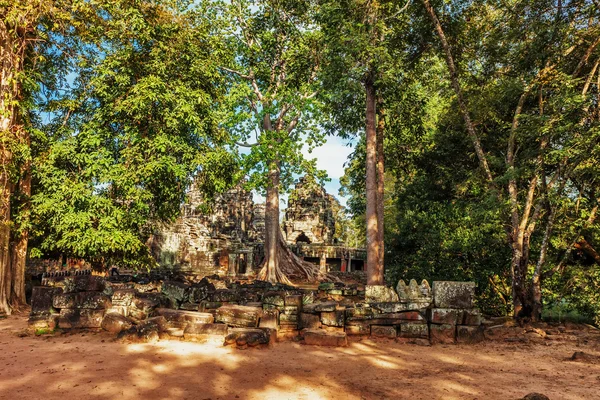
[(302, 238)]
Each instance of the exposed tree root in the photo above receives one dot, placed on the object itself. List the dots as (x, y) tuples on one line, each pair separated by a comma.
[(292, 268)]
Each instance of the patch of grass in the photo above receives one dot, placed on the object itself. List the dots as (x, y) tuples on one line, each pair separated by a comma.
[(43, 331)]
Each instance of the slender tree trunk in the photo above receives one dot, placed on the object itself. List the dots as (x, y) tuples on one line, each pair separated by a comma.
[(19, 245), (380, 181), (374, 267)]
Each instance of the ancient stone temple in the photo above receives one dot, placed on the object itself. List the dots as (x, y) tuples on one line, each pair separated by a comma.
[(228, 238), (309, 217), (225, 239)]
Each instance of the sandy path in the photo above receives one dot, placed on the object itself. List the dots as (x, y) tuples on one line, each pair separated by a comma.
[(92, 366)]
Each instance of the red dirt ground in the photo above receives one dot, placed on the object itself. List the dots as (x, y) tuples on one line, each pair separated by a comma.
[(94, 366)]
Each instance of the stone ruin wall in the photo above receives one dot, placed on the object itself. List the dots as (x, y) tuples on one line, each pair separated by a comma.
[(258, 313)]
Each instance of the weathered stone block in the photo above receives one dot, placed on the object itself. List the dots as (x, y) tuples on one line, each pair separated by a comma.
[(288, 318), (310, 321), (319, 337), (209, 305), (241, 316), (225, 296), (80, 300), (335, 292), (149, 330), (469, 334), (123, 297), (326, 286), (447, 294), (80, 318), (383, 331), (449, 316), (205, 332), (471, 317), (115, 323), (174, 290), (244, 337), (380, 294), (83, 283), (290, 310), (42, 298), (293, 300), (146, 303), (444, 334), (360, 313), (43, 321), (413, 292), (326, 306), (414, 330), (124, 311), (333, 318), (181, 318), (359, 329), (269, 319), (350, 292)]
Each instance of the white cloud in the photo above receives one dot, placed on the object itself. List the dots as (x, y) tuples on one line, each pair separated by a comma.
[(331, 156)]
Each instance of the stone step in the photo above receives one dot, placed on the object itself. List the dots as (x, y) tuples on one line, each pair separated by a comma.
[(239, 316), (320, 337), (182, 318)]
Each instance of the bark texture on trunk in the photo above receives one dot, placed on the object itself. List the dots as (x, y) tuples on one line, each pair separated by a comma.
[(20, 241), (374, 267), (380, 182)]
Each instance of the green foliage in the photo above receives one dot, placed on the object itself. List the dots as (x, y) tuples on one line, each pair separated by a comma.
[(137, 123)]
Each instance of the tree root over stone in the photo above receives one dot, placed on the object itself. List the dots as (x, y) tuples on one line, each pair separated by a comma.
[(293, 268)]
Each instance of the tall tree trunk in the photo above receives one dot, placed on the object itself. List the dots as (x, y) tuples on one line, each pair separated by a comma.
[(374, 267), (19, 244), (380, 181), (272, 224)]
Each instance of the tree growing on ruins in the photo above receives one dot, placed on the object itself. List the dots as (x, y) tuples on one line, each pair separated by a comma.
[(273, 54)]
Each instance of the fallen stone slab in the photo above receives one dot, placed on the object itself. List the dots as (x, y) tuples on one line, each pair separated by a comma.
[(181, 318), (326, 306), (80, 318), (250, 337), (45, 320), (448, 294), (320, 337), (81, 300), (115, 323), (174, 290), (269, 319), (239, 316), (198, 332)]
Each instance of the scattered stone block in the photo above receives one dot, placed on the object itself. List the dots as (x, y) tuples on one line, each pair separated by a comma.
[(209, 305), (244, 337), (383, 331), (469, 334), (450, 316), (123, 297), (240, 316), (380, 294), (335, 292), (350, 292), (326, 286), (80, 318), (447, 294), (82, 300), (269, 319), (181, 318), (310, 321), (275, 299), (443, 334), (45, 320), (83, 283), (115, 323), (414, 330), (319, 337), (42, 299), (205, 332), (174, 290), (360, 313), (288, 318), (333, 318), (149, 330)]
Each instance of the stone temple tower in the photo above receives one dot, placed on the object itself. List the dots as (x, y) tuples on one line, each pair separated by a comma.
[(309, 217)]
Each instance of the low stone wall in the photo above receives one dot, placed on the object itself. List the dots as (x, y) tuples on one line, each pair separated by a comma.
[(257, 312)]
